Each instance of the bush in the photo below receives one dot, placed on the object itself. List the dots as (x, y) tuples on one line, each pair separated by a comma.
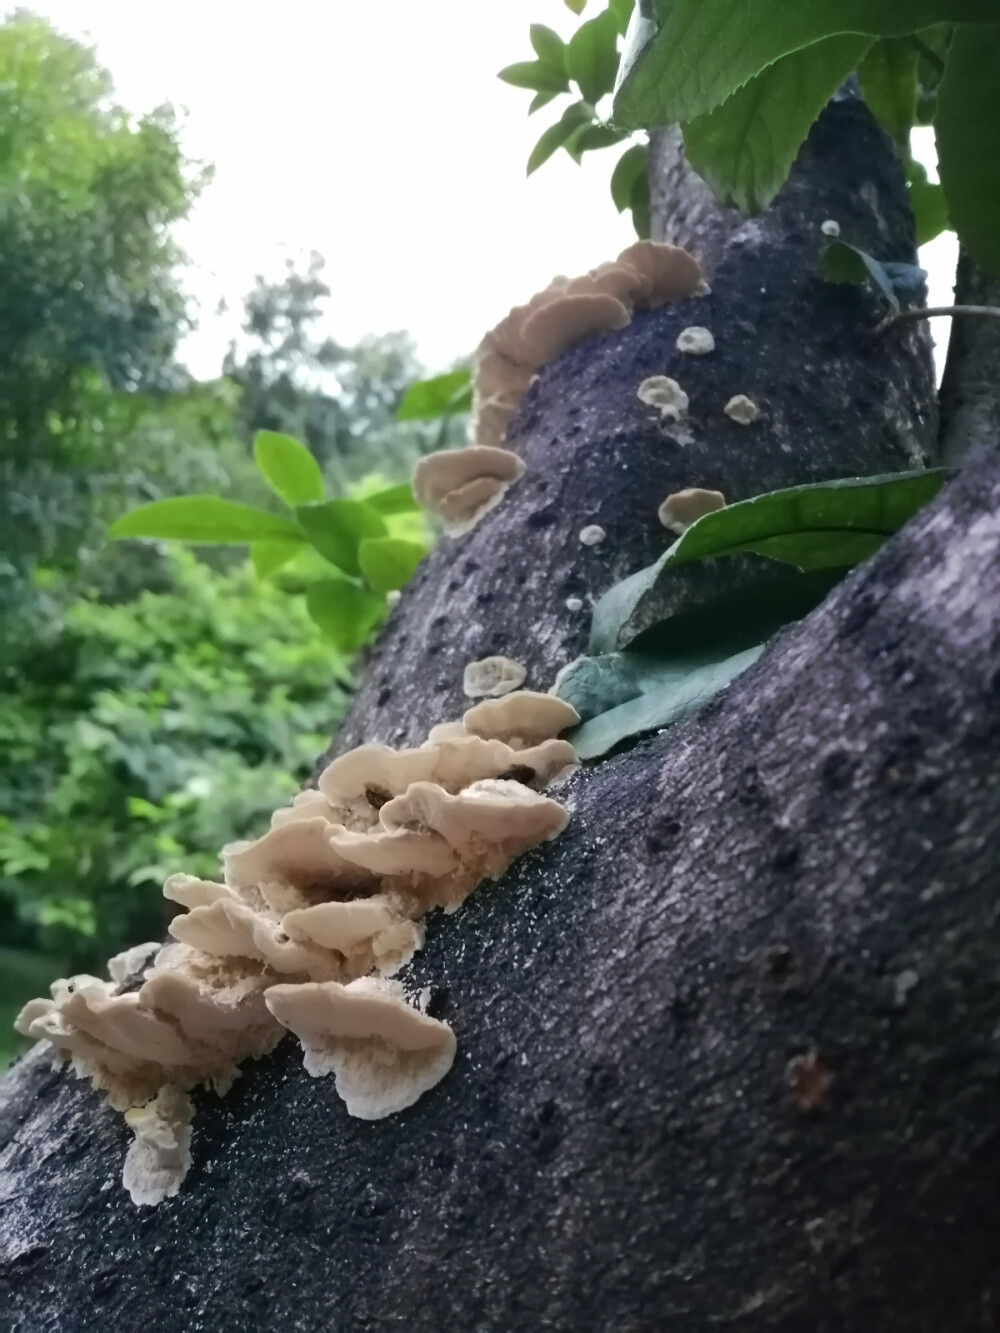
[(135, 740)]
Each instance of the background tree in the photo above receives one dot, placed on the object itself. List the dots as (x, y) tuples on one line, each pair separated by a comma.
[(727, 1051)]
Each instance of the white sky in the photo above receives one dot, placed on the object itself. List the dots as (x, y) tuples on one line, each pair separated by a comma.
[(376, 132)]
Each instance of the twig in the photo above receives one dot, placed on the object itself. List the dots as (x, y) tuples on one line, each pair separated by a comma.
[(929, 312)]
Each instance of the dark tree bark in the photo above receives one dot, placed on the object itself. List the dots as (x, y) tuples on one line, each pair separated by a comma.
[(727, 1048)]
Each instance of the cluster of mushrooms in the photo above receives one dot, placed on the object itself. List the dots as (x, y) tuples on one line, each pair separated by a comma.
[(310, 922), (306, 929)]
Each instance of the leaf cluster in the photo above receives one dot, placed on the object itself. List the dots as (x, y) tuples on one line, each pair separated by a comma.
[(348, 552), (584, 70), (747, 78)]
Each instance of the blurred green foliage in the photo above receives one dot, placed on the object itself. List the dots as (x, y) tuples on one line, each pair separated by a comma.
[(153, 704), (135, 740)]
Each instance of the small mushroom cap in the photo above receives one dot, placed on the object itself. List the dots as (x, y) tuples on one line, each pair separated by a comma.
[(384, 1054), (343, 926), (400, 852), (34, 1009), (124, 1024), (190, 891), (742, 409), (695, 341), (491, 676), (332, 1011), (498, 818), (230, 929), (444, 731), (437, 475), (592, 535), (666, 394), (126, 964), (552, 328), (299, 854), (524, 718), (670, 272), (453, 764), (232, 1019), (680, 510)]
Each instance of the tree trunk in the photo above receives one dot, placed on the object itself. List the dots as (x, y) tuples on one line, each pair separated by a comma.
[(728, 1048)]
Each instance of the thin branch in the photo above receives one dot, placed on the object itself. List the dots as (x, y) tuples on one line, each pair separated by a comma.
[(932, 57), (929, 312)]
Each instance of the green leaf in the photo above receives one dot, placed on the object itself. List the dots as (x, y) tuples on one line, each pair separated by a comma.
[(967, 126), (681, 694), (843, 263), (539, 100), (706, 49), (746, 147), (288, 468), (389, 562), (827, 526), (548, 46), (393, 500), (336, 528), (592, 56), (888, 79), (204, 519), (344, 612), (927, 202), (576, 6), (597, 136), (622, 11), (820, 526), (268, 557), (533, 74), (437, 397), (559, 135), (628, 169)]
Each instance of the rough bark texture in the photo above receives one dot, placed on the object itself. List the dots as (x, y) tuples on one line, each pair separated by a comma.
[(728, 1048), (970, 391)]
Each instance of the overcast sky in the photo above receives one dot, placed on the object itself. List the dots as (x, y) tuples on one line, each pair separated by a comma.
[(376, 133)]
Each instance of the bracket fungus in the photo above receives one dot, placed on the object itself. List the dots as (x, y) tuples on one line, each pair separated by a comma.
[(461, 485), (491, 677), (592, 535), (695, 341), (644, 275), (680, 510), (742, 409), (383, 1053), (661, 392), (307, 925)]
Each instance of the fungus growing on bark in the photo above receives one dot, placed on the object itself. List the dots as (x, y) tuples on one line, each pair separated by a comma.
[(488, 823), (574, 604), (569, 309), (680, 510), (461, 485), (668, 272), (742, 409), (491, 677), (830, 227), (592, 535), (383, 1053), (661, 392), (521, 720), (558, 324), (695, 341), (159, 1158)]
